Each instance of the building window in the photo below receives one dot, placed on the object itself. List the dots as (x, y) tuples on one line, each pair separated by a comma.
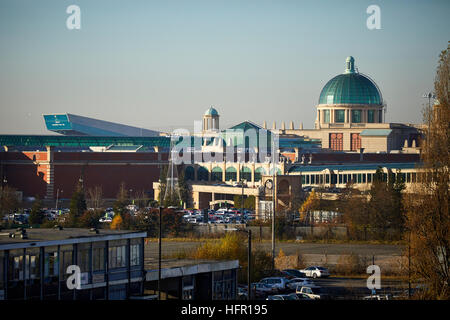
[(339, 116), (246, 174), (356, 141), (380, 116), (371, 116), (189, 173), (99, 259), (356, 116), (326, 116), (258, 173), (135, 254), (117, 257), (202, 174), (231, 174), (336, 141), (216, 174)]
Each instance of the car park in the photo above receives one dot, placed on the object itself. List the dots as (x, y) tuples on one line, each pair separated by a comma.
[(316, 272), (295, 282), (278, 283)]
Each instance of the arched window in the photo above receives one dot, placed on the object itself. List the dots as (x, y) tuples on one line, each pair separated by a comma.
[(216, 174), (202, 174), (189, 173), (259, 172), (231, 174), (246, 174), (272, 171)]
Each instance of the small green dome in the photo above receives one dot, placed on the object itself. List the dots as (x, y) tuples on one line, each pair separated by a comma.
[(350, 87), (211, 112)]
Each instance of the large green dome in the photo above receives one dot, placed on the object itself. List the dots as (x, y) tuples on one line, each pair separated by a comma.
[(350, 87)]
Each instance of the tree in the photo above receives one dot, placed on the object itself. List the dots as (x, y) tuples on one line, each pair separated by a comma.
[(178, 196), (122, 200), (36, 215), (427, 209), (77, 205), (95, 197), (311, 203), (116, 223), (8, 200), (90, 219)]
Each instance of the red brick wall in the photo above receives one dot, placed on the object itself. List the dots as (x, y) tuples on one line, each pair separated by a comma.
[(109, 177)]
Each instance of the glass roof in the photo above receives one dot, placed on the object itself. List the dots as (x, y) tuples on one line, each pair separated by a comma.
[(350, 88)]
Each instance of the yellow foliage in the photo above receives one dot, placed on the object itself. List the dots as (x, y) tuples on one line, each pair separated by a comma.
[(116, 222), (311, 203), (281, 254)]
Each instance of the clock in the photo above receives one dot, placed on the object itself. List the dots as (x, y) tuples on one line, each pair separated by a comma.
[(269, 184)]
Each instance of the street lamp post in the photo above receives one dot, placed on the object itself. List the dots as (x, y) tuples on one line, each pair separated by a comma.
[(429, 96), (57, 198), (159, 253)]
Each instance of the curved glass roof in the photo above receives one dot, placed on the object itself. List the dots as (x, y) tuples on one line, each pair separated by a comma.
[(350, 88)]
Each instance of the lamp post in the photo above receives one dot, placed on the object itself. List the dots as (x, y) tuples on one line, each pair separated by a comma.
[(429, 96), (57, 198), (159, 252), (4, 182)]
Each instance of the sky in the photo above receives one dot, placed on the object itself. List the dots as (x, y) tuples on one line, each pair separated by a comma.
[(161, 64)]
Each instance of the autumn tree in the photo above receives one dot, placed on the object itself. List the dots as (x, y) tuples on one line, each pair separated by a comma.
[(117, 222), (311, 204), (427, 208), (36, 215), (77, 205), (122, 200), (8, 200)]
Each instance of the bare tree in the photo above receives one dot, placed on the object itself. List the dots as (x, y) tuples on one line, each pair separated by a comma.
[(427, 209), (95, 197)]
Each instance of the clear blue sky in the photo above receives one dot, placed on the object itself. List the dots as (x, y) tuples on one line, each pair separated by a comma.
[(160, 64)]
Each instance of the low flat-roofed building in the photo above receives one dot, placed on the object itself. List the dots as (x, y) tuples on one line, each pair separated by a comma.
[(34, 264)]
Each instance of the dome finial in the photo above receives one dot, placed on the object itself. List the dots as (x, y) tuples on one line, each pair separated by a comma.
[(350, 65)]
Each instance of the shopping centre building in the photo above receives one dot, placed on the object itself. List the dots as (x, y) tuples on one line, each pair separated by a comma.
[(349, 142)]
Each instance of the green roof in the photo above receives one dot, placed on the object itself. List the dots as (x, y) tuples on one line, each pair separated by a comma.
[(354, 167), (350, 87), (81, 141), (245, 125), (211, 112)]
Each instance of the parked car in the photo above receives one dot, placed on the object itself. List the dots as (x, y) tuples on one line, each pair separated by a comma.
[(295, 282), (264, 288), (294, 273), (302, 296), (279, 283), (316, 272), (105, 219), (312, 292), (378, 297), (282, 297)]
